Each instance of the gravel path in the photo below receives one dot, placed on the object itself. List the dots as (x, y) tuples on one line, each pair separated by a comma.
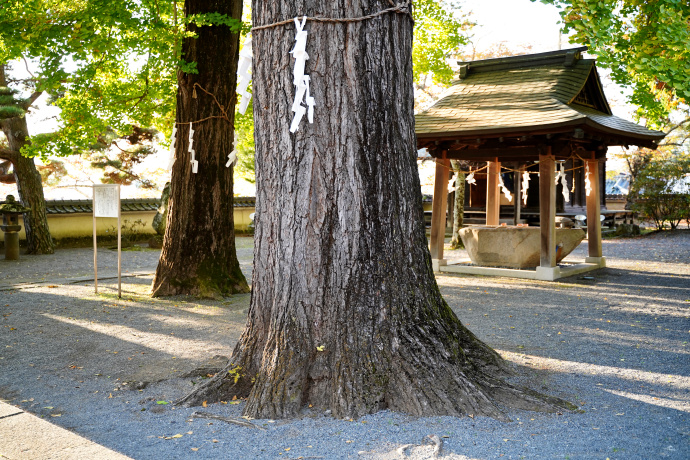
[(617, 346)]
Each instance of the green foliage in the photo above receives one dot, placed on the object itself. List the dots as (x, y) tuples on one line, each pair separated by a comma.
[(9, 104), (661, 191), (440, 30), (244, 129), (119, 169), (52, 172), (107, 65), (645, 44)]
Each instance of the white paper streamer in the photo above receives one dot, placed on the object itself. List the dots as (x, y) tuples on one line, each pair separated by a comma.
[(195, 164), (588, 184), (525, 187), (300, 80), (470, 179), (232, 156), (173, 140), (452, 184), (506, 192), (564, 182), (244, 74)]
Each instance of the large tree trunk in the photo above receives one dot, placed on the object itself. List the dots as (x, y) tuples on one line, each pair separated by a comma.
[(345, 312), (199, 255), (28, 182)]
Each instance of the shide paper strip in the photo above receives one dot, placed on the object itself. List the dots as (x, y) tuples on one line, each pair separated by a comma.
[(588, 184), (470, 179), (173, 139), (525, 187), (300, 80), (564, 182), (195, 164), (506, 192), (244, 74), (232, 157)]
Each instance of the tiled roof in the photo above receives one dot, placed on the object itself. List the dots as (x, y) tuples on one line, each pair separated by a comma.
[(127, 205), (79, 206), (244, 201), (497, 96)]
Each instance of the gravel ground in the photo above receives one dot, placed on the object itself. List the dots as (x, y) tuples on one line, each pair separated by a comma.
[(102, 367)]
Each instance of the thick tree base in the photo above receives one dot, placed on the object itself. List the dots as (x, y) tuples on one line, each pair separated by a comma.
[(203, 285), (416, 379)]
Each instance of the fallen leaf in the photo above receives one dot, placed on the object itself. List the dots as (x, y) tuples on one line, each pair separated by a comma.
[(215, 440), (190, 432), (162, 402), (195, 449), (56, 415), (204, 404), (47, 407), (287, 449), (321, 348), (177, 436)]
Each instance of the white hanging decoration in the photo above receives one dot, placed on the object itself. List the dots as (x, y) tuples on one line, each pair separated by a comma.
[(232, 156), (564, 182), (195, 164), (506, 192), (588, 184), (525, 187), (559, 172), (244, 74), (173, 140), (470, 179), (451, 184), (300, 80)]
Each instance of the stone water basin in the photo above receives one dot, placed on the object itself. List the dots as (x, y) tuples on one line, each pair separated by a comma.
[(515, 247)]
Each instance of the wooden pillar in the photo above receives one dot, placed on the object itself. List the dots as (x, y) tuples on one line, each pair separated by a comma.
[(517, 195), (593, 208), (493, 195), (438, 211), (547, 208)]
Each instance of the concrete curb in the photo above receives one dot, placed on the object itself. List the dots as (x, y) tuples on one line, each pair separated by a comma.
[(25, 436), (78, 279)]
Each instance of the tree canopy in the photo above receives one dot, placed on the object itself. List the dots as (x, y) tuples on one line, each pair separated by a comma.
[(645, 44), (440, 29)]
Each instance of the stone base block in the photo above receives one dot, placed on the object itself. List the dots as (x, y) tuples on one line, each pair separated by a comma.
[(601, 261), (438, 263)]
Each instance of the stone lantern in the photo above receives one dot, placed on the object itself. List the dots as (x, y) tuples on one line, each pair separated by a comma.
[(10, 211)]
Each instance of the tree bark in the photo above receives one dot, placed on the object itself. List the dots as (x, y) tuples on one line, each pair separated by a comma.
[(458, 206), (28, 182), (345, 312), (199, 256)]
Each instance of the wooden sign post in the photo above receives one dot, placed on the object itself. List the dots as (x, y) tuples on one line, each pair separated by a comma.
[(106, 203)]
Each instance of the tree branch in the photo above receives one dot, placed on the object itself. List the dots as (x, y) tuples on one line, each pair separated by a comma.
[(8, 154), (678, 125), (28, 102)]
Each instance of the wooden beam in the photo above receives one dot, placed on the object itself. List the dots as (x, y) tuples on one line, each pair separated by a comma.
[(593, 209), (517, 195), (438, 210), (493, 194), (547, 208)]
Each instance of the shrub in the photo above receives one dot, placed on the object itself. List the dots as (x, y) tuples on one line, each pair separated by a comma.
[(661, 191)]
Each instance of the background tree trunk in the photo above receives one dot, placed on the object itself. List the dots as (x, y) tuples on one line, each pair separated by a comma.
[(28, 181), (345, 312), (199, 255), (458, 205)]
